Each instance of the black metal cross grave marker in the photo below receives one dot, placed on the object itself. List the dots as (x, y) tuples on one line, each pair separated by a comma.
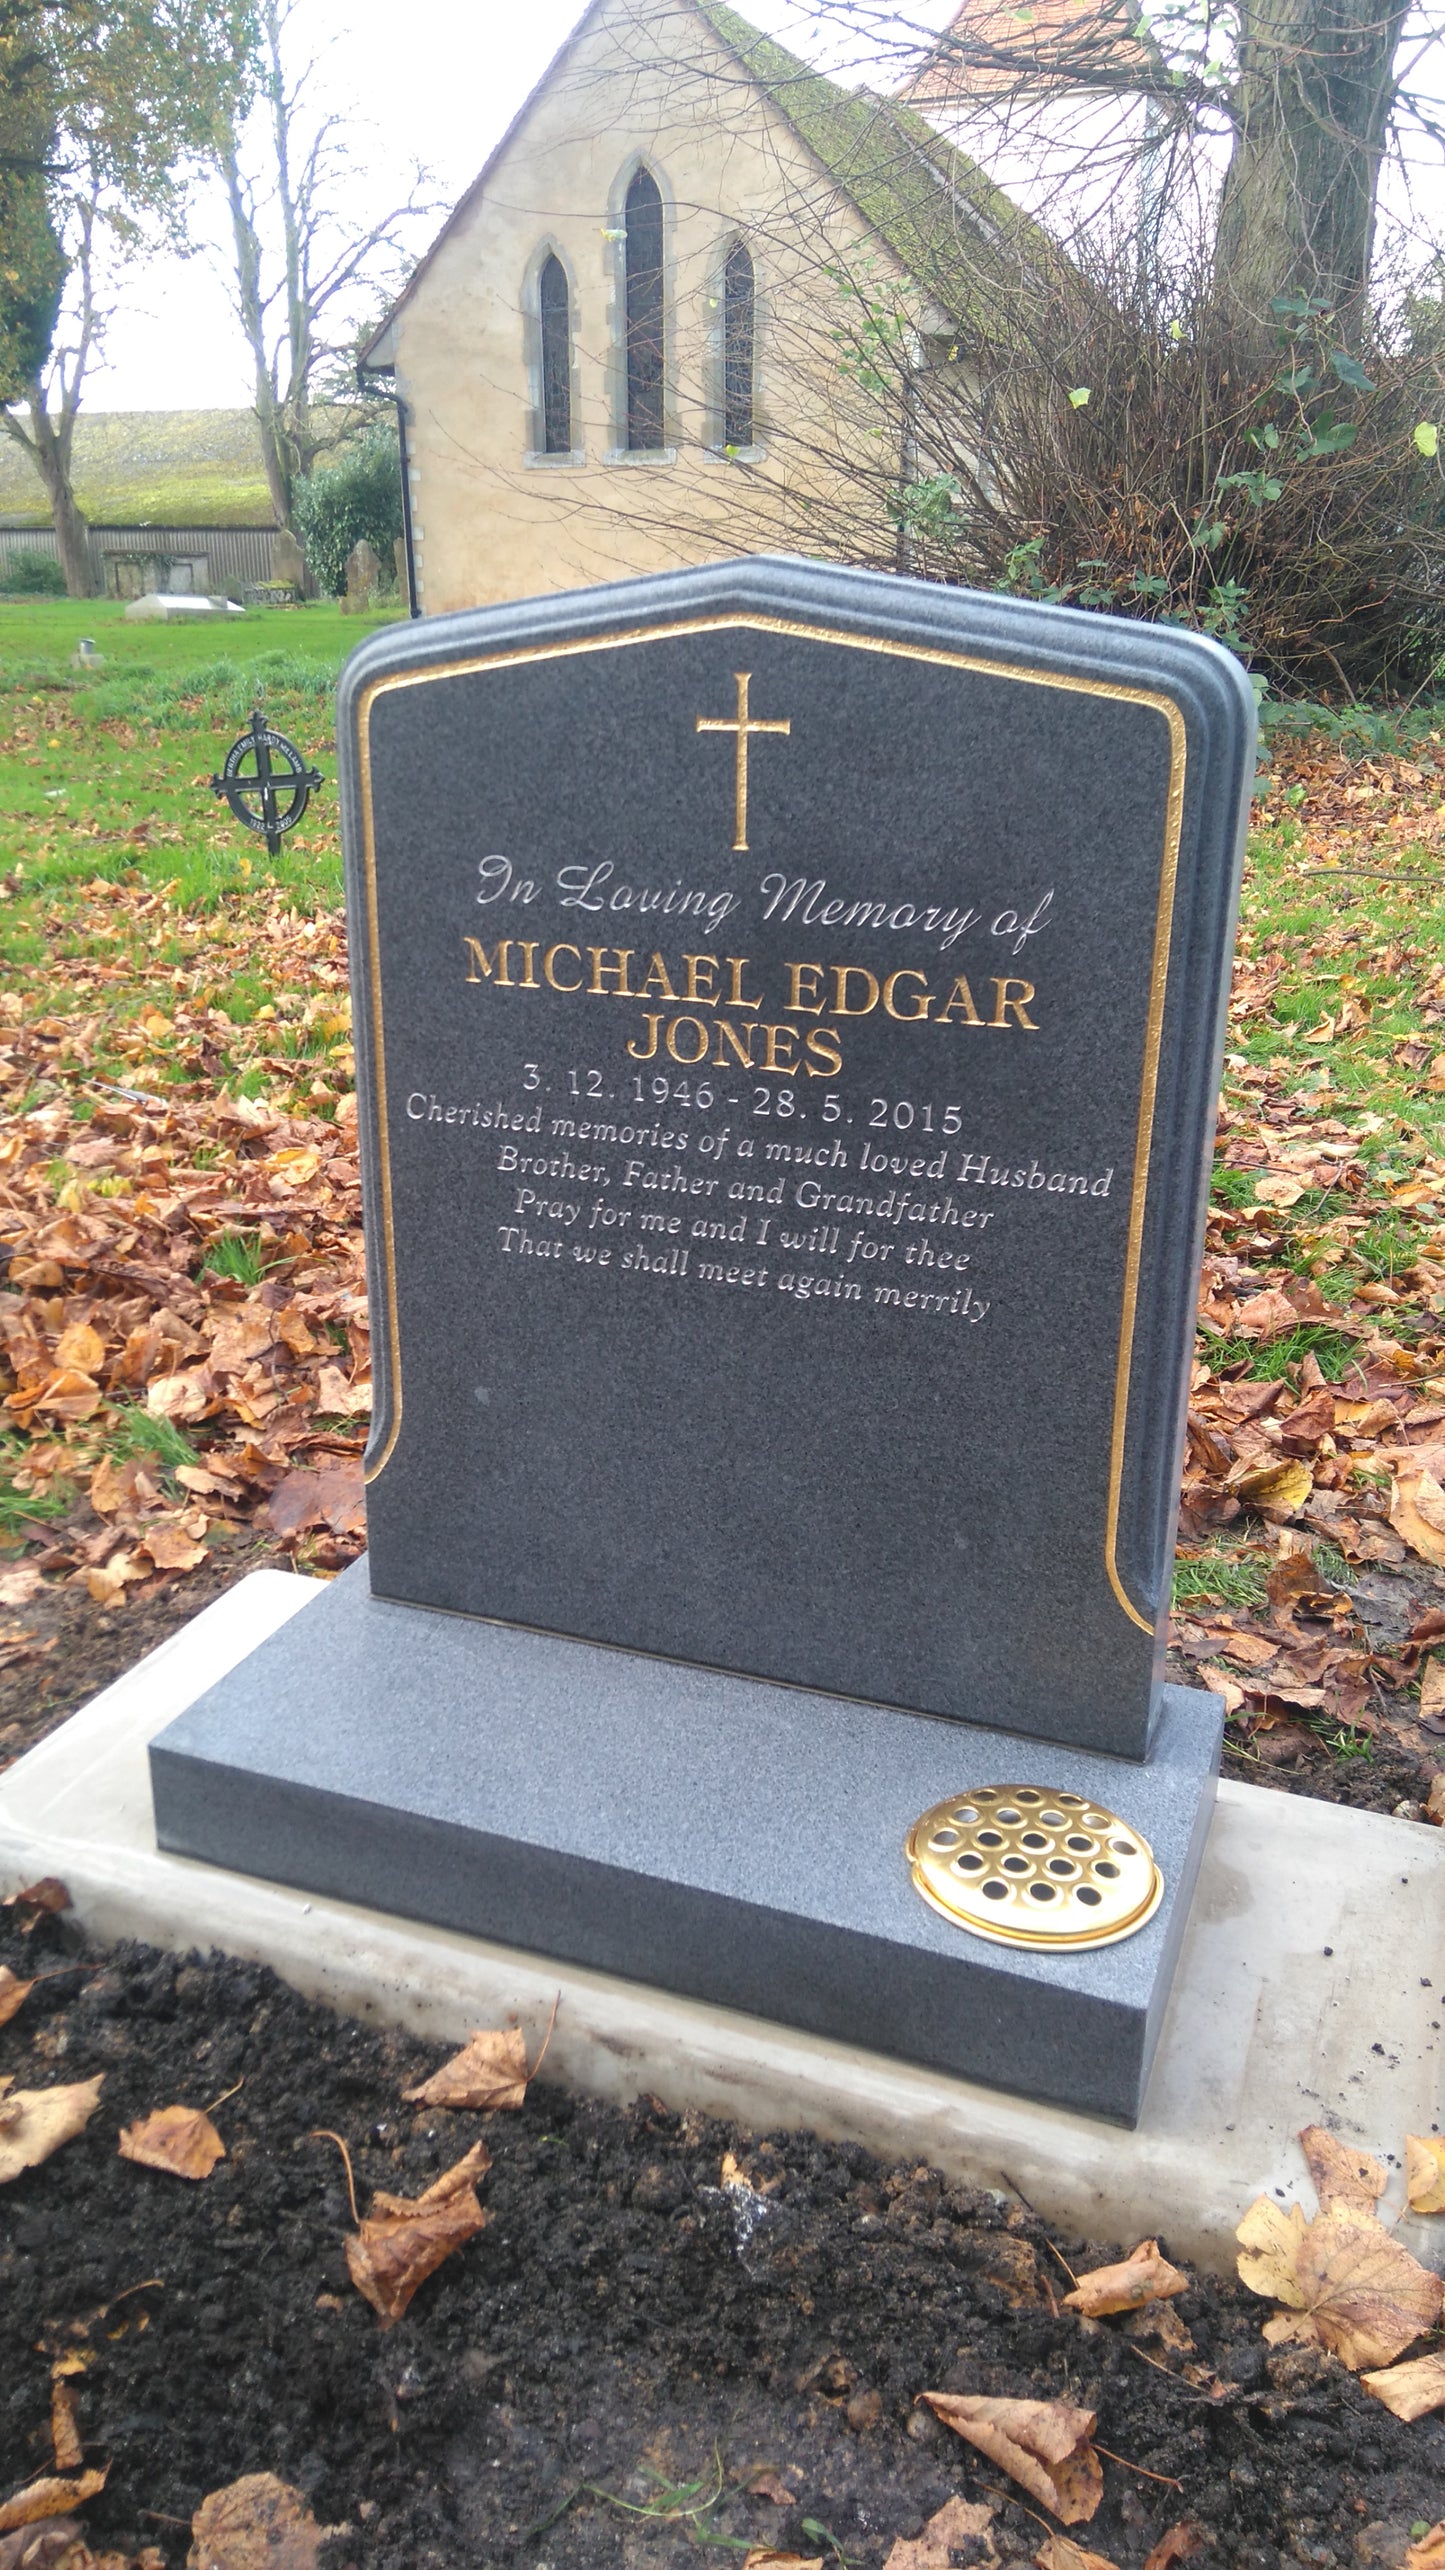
[(279, 778)]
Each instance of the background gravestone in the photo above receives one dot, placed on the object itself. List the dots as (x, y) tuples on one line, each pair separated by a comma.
[(788, 1144), (363, 577), (288, 563)]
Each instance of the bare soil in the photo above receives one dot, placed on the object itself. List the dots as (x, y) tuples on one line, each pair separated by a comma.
[(617, 2334), (84, 1647)]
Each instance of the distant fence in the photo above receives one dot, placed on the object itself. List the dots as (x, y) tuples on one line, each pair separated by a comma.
[(217, 558)]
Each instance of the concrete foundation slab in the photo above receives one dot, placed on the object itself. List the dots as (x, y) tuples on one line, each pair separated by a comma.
[(1308, 1989)]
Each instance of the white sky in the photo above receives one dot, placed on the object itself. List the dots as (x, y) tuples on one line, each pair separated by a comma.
[(436, 81)]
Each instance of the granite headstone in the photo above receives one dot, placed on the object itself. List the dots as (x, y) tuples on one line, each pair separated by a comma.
[(789, 1006), (792, 1005)]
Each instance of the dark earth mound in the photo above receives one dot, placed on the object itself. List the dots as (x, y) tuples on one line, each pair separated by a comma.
[(598, 2377)]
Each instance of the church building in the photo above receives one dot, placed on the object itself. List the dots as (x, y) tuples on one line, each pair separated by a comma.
[(669, 320)]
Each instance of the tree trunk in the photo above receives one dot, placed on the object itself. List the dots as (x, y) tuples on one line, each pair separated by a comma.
[(1315, 89), (47, 443), (251, 309)]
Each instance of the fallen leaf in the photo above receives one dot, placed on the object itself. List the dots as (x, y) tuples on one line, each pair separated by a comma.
[(13, 1994), (335, 1498), (1364, 1418), (1350, 2179), (490, 2070), (762, 2557), (1159, 2325), (1059, 2553), (1432, 1690), (1412, 2390), (179, 2139), (54, 2543), (68, 1394), (1425, 2172), (1265, 1316), (294, 1168), (1357, 2290), (768, 2484), (1429, 2552), (338, 1399), (960, 2524), (18, 1587), (80, 1346), (49, 2497), (258, 2523), (64, 2432), (1435, 1799), (1277, 1489), (106, 1585), (120, 1488), (1176, 2545), (1247, 1650), (1044, 2445), (48, 1894), (1417, 1512), (180, 1396), (174, 1547), (404, 2239), (36, 2121), (1144, 2276)]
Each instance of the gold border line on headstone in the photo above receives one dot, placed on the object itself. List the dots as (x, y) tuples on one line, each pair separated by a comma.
[(977, 664)]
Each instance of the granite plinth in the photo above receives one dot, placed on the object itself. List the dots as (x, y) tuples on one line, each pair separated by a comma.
[(721, 1837)]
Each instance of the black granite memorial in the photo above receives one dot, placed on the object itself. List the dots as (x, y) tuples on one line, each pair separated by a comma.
[(789, 1006)]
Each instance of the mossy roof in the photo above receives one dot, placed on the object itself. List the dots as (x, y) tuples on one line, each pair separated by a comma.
[(941, 216), (161, 468)]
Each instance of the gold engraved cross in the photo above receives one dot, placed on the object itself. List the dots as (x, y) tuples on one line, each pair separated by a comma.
[(744, 728)]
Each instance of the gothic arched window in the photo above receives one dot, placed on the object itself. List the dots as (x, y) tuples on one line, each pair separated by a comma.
[(645, 334), (555, 308), (737, 347)]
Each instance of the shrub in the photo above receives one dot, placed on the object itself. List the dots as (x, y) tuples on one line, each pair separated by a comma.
[(358, 496), (1140, 446), (32, 575)]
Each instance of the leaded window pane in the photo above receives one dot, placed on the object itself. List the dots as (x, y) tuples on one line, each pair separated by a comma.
[(645, 335), (556, 358), (738, 348)]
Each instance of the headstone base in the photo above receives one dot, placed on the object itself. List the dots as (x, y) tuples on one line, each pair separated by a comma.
[(714, 1835)]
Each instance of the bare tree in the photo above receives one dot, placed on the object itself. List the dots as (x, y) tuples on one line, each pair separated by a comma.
[(305, 270), (1285, 111)]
